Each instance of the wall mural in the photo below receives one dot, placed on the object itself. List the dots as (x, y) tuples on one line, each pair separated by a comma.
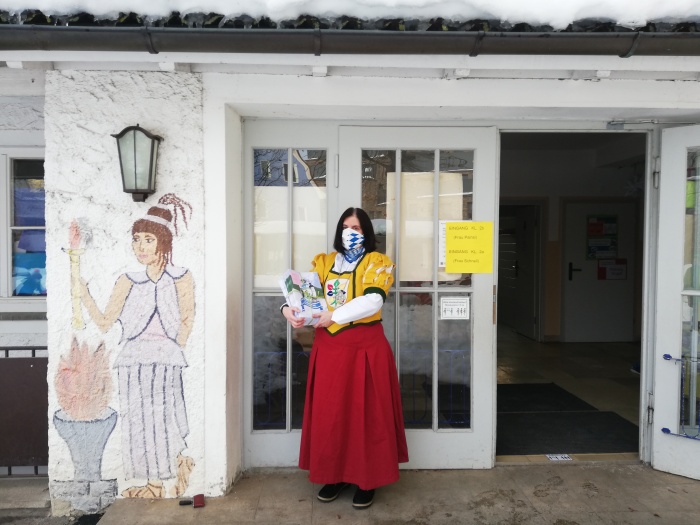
[(83, 385), (155, 308)]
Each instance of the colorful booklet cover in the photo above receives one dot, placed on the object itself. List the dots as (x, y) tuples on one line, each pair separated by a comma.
[(303, 290)]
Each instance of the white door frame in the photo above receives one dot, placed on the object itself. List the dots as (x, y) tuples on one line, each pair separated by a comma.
[(649, 254)]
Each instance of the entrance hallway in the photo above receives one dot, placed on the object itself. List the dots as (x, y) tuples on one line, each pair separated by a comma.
[(579, 493), (598, 373)]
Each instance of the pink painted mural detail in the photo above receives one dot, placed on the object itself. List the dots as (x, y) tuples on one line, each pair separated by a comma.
[(83, 386), (84, 382)]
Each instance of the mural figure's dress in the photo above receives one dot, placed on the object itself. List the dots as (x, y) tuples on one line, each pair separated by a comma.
[(353, 427), (152, 403)]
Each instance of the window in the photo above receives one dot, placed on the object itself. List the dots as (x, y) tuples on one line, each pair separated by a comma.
[(22, 231)]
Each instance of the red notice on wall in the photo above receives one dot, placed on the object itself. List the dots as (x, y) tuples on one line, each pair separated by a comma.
[(612, 269)]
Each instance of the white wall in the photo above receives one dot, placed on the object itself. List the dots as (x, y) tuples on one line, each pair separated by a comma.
[(21, 125), (83, 183)]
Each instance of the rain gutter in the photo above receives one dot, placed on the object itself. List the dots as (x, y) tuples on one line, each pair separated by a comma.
[(156, 40)]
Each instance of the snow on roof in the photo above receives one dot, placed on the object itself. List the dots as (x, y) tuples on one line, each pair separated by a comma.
[(493, 15)]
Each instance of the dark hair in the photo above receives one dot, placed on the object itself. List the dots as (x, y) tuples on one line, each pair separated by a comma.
[(370, 243)]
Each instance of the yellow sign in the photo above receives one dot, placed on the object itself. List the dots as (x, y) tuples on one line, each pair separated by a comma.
[(469, 247)]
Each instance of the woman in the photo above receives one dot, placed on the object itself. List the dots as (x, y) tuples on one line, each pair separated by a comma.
[(352, 431), (156, 309)]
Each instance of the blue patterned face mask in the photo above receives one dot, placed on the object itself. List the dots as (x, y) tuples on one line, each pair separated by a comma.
[(352, 242)]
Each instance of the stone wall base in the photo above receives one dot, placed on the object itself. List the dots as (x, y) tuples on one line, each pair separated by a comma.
[(87, 497)]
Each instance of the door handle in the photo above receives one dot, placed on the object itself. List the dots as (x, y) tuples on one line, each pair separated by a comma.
[(572, 270)]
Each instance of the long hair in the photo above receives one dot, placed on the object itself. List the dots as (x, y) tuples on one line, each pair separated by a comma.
[(370, 243)]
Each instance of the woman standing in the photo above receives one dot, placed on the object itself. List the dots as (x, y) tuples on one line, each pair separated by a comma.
[(353, 430), (156, 310)]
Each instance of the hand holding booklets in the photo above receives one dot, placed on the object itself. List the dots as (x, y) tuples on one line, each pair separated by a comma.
[(303, 290)]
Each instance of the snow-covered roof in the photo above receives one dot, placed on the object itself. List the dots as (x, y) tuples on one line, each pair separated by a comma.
[(214, 20)]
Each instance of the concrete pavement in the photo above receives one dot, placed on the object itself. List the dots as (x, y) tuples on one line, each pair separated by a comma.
[(579, 493), (537, 493)]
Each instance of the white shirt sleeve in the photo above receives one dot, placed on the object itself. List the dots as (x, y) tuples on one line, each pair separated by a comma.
[(358, 308)]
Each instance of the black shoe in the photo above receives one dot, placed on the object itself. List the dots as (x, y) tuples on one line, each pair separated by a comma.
[(330, 492), (363, 498)]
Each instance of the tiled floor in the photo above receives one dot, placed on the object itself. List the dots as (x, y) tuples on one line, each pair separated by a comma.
[(598, 373)]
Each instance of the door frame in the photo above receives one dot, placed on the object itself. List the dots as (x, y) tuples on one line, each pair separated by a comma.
[(280, 447), (648, 256), (650, 239)]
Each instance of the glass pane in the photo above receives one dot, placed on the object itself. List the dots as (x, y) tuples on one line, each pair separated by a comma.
[(417, 206), (29, 262), (691, 305), (309, 197), (690, 400), (269, 364), (270, 230), (416, 358), (376, 165), (302, 342), (454, 361), (28, 191), (456, 197), (389, 319)]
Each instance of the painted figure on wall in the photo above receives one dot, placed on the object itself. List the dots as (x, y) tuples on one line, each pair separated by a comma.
[(155, 308)]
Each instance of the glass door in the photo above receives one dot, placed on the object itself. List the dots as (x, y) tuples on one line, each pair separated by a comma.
[(676, 436), (411, 181), (289, 172), (300, 177)]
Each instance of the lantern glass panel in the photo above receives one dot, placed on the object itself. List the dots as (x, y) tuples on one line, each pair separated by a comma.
[(142, 151), (127, 158), (152, 170)]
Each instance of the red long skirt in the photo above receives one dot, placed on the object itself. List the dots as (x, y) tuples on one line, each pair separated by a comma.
[(353, 422)]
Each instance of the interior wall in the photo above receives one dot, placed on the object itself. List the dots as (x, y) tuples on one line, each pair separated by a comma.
[(550, 175)]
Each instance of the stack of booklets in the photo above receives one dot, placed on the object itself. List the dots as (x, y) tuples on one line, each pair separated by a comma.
[(303, 290)]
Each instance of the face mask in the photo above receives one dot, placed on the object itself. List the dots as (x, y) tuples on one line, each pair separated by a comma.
[(352, 240)]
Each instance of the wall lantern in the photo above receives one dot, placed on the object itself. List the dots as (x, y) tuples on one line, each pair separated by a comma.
[(138, 155)]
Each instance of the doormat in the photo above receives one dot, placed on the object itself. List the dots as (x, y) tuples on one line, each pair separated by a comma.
[(526, 433), (538, 397)]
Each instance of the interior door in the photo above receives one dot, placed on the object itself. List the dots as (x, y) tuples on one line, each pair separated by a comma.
[(518, 269), (675, 439), (599, 265), (409, 180)]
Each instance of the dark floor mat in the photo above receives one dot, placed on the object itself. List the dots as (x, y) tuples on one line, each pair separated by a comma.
[(564, 433), (88, 519), (538, 397)]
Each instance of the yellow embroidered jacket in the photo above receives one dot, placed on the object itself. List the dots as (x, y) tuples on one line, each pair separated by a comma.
[(371, 275)]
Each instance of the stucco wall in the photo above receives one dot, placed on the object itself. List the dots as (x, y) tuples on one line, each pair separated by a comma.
[(89, 233)]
